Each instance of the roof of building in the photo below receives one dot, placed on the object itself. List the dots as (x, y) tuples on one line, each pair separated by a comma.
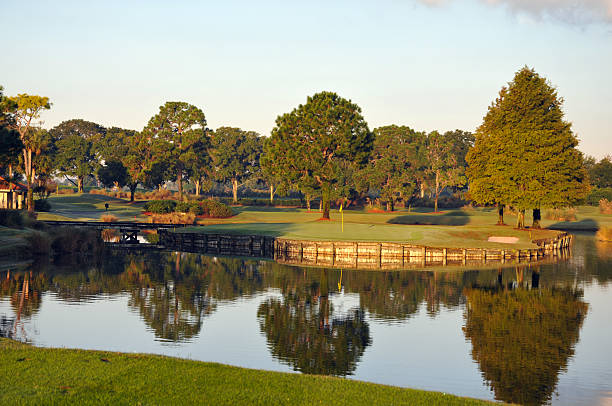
[(17, 186)]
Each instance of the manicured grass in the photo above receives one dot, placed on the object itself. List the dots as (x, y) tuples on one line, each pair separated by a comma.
[(87, 207), (433, 236), (461, 228), (30, 375)]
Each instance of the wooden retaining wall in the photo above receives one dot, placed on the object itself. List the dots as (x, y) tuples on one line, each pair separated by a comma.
[(356, 254), (222, 244), (372, 255)]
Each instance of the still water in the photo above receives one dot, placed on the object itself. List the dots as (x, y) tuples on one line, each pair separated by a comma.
[(537, 334)]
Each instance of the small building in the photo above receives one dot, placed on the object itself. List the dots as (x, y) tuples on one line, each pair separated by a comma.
[(12, 194)]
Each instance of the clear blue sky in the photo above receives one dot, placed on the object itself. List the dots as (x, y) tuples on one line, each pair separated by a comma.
[(428, 64)]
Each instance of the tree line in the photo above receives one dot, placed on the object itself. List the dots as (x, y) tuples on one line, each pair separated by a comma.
[(523, 155)]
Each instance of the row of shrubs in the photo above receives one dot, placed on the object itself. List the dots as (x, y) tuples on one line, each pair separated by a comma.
[(209, 208), (248, 201), (597, 195)]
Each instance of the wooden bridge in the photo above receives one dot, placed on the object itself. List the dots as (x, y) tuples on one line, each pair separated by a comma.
[(129, 230)]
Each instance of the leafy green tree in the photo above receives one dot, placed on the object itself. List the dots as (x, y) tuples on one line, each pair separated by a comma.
[(75, 158), (113, 173), (78, 155), (601, 173), (43, 148), (175, 130), (23, 110), (525, 153), (443, 164), (235, 155), (114, 144), (271, 172), (10, 149), (396, 156), (313, 144)]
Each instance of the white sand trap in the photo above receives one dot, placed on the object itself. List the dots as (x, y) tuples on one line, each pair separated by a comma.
[(504, 240)]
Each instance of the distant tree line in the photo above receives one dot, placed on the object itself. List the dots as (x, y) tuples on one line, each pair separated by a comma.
[(523, 154)]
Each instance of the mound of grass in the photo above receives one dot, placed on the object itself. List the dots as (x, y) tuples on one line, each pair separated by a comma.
[(60, 376)]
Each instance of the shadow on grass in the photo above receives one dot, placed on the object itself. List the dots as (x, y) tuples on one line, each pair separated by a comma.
[(582, 225), (447, 219), (240, 209), (267, 229)]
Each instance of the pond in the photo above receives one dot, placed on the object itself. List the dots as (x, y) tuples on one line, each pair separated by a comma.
[(534, 334)]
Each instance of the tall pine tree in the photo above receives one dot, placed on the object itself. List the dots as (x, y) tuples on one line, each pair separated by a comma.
[(525, 152)]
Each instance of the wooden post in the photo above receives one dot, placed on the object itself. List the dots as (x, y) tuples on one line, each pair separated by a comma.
[(444, 252), (379, 256), (356, 254), (333, 253)]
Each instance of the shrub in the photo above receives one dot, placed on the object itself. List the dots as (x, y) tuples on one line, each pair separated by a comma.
[(597, 194), (564, 214), (213, 208), (108, 218), (174, 218), (42, 205), (11, 218), (182, 207), (40, 243), (76, 240), (605, 206), (66, 191), (604, 234), (160, 206)]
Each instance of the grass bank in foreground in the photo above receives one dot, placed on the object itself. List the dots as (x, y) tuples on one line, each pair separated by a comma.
[(31, 375)]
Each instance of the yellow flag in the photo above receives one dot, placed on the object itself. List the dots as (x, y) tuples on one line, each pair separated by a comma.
[(340, 207)]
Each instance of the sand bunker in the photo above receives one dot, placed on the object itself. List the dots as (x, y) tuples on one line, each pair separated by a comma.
[(504, 240)]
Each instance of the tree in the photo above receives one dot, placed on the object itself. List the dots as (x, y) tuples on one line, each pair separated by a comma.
[(75, 158), (396, 157), (525, 153), (113, 173), (78, 154), (271, 172), (23, 110), (443, 165), (10, 149), (235, 155), (176, 129), (601, 173), (314, 143), (522, 339)]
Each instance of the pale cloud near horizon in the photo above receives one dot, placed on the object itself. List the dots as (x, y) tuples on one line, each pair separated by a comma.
[(570, 11)]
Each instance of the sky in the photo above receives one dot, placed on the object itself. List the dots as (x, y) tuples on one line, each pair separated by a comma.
[(428, 64)]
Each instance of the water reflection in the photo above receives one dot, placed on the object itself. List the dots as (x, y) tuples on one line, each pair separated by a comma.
[(523, 336), (303, 330), (522, 324)]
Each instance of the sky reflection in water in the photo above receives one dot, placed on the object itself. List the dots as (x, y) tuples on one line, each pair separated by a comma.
[(532, 335)]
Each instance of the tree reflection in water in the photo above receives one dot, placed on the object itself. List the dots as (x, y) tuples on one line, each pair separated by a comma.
[(303, 331), (523, 338)]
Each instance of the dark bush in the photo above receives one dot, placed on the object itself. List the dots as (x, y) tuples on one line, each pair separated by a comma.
[(42, 205), (597, 194), (160, 206), (213, 208), (182, 207), (11, 218)]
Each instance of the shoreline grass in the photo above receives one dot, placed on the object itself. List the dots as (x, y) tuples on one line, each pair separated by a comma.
[(32, 375)]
